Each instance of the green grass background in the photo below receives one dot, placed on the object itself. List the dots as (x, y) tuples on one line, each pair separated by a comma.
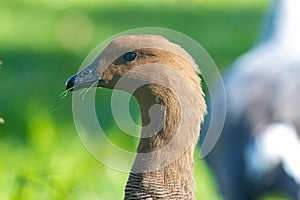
[(43, 42)]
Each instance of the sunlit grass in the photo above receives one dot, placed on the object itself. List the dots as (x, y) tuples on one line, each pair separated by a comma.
[(67, 171)]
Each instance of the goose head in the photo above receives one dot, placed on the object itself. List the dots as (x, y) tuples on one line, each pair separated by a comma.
[(151, 68), (127, 53)]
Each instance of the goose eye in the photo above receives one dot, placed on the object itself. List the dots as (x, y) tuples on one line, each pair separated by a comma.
[(130, 56)]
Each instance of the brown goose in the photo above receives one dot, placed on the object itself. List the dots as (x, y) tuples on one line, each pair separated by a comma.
[(168, 80)]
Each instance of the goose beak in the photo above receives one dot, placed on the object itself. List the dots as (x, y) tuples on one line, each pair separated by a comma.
[(78, 81), (84, 79), (71, 83)]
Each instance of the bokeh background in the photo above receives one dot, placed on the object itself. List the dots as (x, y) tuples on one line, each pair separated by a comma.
[(43, 42)]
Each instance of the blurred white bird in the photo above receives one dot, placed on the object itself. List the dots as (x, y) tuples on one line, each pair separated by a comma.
[(259, 148)]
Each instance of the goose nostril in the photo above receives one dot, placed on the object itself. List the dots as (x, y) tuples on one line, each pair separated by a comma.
[(85, 73), (70, 83)]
